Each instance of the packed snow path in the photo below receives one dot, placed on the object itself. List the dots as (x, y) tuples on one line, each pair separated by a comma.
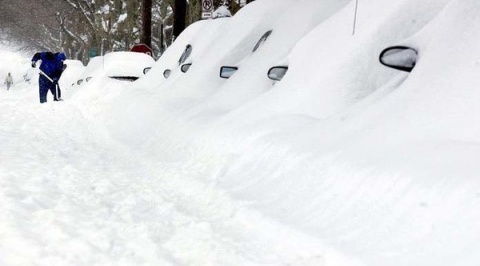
[(70, 195)]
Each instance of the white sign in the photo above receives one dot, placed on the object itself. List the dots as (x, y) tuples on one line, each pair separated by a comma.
[(206, 15)]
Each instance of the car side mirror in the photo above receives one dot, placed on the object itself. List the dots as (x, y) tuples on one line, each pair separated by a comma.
[(145, 70), (167, 73), (185, 67), (227, 71), (276, 73), (399, 57)]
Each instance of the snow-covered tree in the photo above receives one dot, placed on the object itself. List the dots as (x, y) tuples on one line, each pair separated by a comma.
[(83, 28)]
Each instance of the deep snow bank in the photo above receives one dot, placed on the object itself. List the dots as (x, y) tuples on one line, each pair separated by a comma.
[(330, 69), (71, 195), (382, 165), (393, 179)]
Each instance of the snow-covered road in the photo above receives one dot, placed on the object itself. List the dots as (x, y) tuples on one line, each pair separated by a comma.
[(71, 195), (62, 185)]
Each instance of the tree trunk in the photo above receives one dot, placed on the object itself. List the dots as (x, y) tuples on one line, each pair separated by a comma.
[(179, 17), (146, 37)]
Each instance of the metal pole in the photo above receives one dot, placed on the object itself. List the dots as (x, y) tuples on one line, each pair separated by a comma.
[(161, 39), (102, 46), (355, 17), (56, 91)]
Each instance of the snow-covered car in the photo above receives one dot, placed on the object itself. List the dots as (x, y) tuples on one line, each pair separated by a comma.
[(227, 71), (30, 74), (168, 61), (199, 42), (262, 53), (93, 65), (127, 66), (72, 72), (124, 66), (222, 44), (183, 67)]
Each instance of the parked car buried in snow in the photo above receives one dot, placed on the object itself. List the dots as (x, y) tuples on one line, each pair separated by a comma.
[(127, 66), (228, 71), (192, 44), (124, 66), (183, 67), (71, 73)]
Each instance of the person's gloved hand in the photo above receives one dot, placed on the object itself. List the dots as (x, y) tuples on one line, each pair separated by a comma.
[(33, 64)]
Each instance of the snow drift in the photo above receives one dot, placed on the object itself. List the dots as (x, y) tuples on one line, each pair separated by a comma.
[(343, 162)]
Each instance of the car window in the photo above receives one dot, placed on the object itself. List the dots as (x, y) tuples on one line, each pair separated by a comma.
[(262, 40), (185, 55)]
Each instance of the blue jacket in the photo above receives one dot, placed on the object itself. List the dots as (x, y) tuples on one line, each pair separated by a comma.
[(52, 64)]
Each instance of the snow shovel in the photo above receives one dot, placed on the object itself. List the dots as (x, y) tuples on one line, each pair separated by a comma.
[(51, 80)]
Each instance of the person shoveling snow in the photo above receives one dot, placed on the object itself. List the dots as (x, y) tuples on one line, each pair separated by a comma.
[(50, 71)]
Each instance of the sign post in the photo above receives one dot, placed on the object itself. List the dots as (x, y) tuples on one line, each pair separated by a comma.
[(207, 9)]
